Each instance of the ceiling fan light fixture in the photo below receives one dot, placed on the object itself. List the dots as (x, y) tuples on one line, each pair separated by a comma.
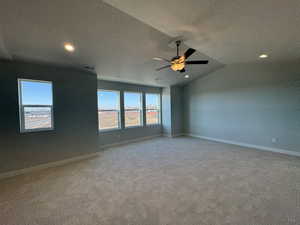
[(177, 67), (178, 64)]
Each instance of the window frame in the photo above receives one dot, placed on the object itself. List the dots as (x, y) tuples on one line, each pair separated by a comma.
[(119, 112), (159, 109), (22, 112), (141, 110)]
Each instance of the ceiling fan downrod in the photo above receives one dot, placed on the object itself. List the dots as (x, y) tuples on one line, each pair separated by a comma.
[(178, 42)]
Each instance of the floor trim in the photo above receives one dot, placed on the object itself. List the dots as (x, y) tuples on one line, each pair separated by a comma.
[(264, 148), (130, 141), (167, 135), (70, 160), (178, 135), (46, 165), (174, 135)]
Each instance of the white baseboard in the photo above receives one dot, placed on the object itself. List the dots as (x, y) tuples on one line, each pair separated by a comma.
[(264, 148), (87, 156), (70, 160), (167, 135), (46, 165), (178, 135), (174, 135), (130, 141)]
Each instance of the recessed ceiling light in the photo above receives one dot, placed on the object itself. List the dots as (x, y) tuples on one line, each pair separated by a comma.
[(69, 47), (263, 56), (186, 76)]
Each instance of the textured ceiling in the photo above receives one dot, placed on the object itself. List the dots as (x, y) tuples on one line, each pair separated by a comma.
[(234, 31), (119, 46)]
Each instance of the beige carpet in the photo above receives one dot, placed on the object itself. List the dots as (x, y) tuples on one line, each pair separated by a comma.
[(161, 181)]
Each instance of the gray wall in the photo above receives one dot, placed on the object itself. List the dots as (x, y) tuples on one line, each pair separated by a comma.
[(177, 110), (127, 134), (172, 111), (75, 116), (248, 103), (166, 111)]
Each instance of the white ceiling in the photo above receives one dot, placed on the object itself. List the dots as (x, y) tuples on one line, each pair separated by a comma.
[(119, 46), (120, 37), (234, 31)]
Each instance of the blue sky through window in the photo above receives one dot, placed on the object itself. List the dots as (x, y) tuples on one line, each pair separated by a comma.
[(132, 100), (36, 93), (152, 100), (40, 93), (108, 100)]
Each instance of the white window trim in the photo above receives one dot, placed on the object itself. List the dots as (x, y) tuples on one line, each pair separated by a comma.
[(141, 110), (21, 108), (103, 130), (159, 110)]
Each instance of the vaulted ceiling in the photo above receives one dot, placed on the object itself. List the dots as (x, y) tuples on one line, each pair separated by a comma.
[(120, 37), (234, 31)]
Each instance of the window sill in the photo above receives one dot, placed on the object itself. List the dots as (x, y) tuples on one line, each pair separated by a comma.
[(154, 125), (130, 127), (108, 130), (105, 131), (36, 130)]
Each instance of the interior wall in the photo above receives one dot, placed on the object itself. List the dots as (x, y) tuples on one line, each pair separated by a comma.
[(75, 116), (177, 110), (127, 134), (172, 111), (166, 111), (256, 104)]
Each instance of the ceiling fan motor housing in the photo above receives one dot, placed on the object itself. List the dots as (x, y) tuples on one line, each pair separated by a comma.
[(178, 63)]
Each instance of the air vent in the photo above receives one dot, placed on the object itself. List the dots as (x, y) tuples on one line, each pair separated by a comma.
[(87, 67)]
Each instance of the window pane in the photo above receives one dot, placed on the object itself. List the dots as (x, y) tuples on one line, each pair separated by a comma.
[(152, 108), (36, 105), (37, 117), (152, 117), (132, 118), (133, 109), (36, 93), (108, 109)]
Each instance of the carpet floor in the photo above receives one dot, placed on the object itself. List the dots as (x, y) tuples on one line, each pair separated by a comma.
[(162, 181)]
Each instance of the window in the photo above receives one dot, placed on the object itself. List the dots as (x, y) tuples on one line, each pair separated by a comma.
[(35, 105), (133, 109), (152, 109), (108, 109)]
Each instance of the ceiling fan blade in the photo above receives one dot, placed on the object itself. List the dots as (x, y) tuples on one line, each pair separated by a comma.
[(164, 67), (161, 59), (196, 62), (189, 52), (182, 71)]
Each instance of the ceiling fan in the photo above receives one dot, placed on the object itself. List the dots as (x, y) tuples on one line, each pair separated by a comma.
[(178, 62)]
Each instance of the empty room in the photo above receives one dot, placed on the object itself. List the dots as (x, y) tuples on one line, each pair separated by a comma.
[(127, 112)]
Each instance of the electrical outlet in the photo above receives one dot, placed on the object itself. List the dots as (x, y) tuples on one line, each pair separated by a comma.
[(274, 140)]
